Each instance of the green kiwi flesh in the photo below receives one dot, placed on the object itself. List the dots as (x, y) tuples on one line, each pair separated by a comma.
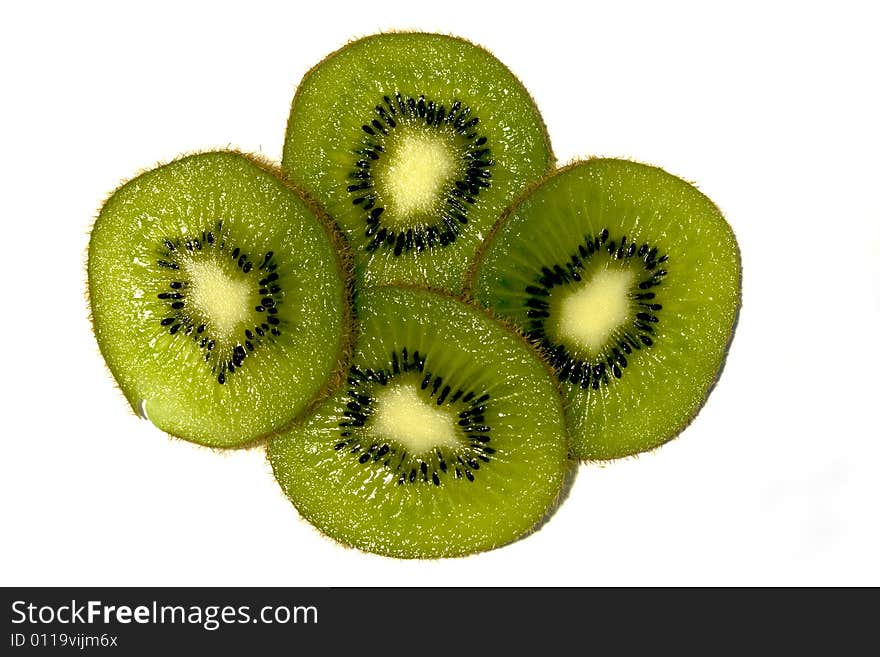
[(414, 143), (219, 299), (628, 279), (448, 438)]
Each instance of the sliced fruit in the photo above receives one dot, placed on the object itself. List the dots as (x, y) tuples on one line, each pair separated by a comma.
[(414, 143), (448, 438), (219, 299), (628, 279)]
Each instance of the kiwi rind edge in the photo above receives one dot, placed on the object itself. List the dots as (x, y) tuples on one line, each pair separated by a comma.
[(551, 157), (344, 262), (471, 273)]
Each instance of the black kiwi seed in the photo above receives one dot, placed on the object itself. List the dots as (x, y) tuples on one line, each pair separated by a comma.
[(177, 320), (430, 469), (569, 367), (464, 191)]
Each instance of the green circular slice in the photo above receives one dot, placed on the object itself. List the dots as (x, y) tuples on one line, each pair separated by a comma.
[(414, 143), (219, 300), (628, 279), (447, 439)]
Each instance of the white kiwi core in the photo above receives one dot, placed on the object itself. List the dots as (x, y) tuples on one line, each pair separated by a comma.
[(419, 166), (223, 300), (407, 418), (585, 315)]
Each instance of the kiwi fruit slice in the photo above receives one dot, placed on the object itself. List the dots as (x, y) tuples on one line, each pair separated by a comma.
[(219, 298), (448, 437), (628, 279), (414, 143)]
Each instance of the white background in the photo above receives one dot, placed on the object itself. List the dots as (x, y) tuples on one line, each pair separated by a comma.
[(771, 108)]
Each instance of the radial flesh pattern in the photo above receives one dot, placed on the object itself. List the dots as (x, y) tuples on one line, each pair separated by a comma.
[(448, 438), (414, 143), (628, 279), (218, 298)]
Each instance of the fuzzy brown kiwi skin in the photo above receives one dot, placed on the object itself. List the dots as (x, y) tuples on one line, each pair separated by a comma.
[(551, 157), (344, 262), (571, 466), (471, 274)]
